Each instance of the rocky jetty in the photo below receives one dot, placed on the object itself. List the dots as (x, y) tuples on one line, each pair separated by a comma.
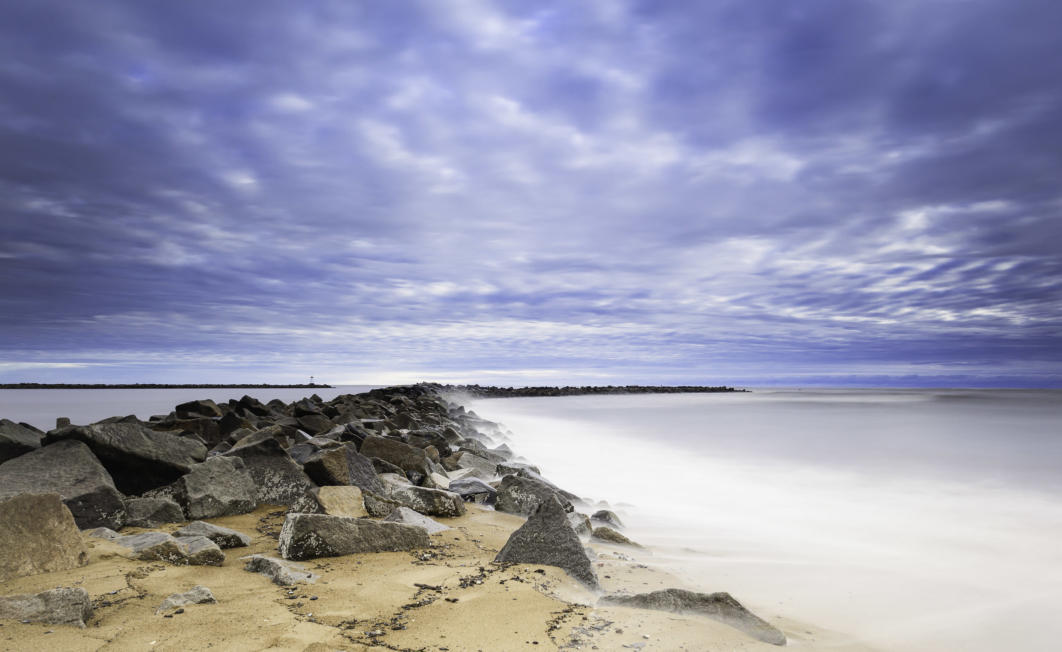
[(356, 475)]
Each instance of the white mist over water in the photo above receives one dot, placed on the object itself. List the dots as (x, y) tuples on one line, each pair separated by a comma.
[(909, 519)]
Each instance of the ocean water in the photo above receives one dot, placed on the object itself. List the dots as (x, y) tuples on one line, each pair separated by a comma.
[(908, 519)]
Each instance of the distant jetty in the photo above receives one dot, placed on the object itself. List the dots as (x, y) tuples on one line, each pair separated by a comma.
[(480, 391), (157, 386)]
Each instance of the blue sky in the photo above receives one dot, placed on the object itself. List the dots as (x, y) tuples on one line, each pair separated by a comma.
[(595, 192)]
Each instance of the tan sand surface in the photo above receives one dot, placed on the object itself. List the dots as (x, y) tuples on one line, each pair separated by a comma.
[(450, 597)]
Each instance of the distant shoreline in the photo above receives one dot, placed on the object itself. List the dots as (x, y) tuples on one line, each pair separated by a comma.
[(157, 386), (479, 391)]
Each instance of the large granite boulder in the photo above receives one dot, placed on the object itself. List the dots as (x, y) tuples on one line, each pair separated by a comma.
[(16, 440), (342, 465), (401, 454), (309, 536), (517, 495), (61, 606), (151, 512), (201, 408), (38, 535), (224, 537), (433, 502), (220, 486), (138, 458), (70, 469), (547, 538), (718, 606), (278, 479)]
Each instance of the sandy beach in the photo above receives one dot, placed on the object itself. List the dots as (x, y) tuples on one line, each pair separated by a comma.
[(448, 597)]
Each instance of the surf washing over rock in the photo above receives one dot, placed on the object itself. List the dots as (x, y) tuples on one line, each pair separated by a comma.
[(389, 471)]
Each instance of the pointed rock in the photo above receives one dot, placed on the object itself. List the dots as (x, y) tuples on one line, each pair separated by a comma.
[(718, 606), (547, 538), (517, 495)]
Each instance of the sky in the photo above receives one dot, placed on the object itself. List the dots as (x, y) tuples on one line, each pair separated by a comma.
[(716, 192)]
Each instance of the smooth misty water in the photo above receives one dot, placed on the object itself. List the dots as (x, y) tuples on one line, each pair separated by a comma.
[(910, 519)]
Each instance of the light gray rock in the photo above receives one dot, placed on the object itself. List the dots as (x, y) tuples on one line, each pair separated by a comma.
[(474, 490), (105, 533), (277, 478), (70, 469), (223, 536), (38, 535), (152, 512), (718, 606), (220, 486), (152, 546), (197, 595), (548, 538), (434, 502), (517, 495), (16, 440), (283, 573), (309, 536), (138, 458), (580, 523), (61, 606), (469, 460), (410, 517)]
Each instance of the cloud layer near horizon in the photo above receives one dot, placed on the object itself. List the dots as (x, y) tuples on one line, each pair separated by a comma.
[(588, 192)]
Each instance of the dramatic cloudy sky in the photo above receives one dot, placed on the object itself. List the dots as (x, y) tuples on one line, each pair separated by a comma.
[(594, 192)]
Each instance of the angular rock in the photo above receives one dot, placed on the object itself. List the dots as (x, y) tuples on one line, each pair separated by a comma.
[(379, 506), (70, 469), (472, 461), (401, 454), (16, 440), (547, 538), (202, 408), (197, 595), (717, 606), (342, 465), (315, 424), (518, 495), (433, 502), (410, 517), (283, 573), (201, 551), (62, 606), (154, 546), (342, 501), (278, 479), (138, 458), (474, 489), (383, 466), (38, 535), (309, 536), (608, 535), (608, 518), (220, 486), (152, 512), (223, 536)]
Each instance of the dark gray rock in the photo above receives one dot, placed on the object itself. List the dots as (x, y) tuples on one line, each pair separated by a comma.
[(608, 535), (718, 606), (62, 606), (383, 466), (434, 502), (202, 408), (139, 459), (220, 486), (469, 460), (342, 465), (197, 595), (283, 573), (474, 490), (548, 538), (517, 495), (309, 536), (16, 440), (223, 536), (608, 518), (515, 468), (315, 424), (278, 479), (152, 512), (38, 535), (379, 506), (401, 454), (410, 517), (69, 469)]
